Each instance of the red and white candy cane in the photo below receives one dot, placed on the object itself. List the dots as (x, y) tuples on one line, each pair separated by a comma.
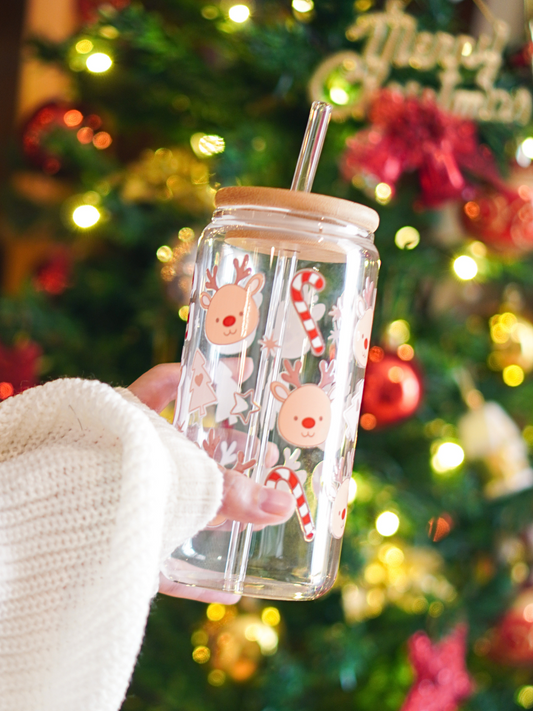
[(318, 282), (302, 509)]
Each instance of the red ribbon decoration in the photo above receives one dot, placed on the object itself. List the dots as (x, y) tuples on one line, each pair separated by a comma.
[(412, 133)]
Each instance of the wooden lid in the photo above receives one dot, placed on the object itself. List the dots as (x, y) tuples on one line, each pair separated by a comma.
[(312, 203)]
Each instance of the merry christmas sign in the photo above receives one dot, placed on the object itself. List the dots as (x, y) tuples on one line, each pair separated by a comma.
[(466, 69)]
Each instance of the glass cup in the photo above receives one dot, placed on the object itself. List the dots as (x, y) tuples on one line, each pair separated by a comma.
[(273, 364)]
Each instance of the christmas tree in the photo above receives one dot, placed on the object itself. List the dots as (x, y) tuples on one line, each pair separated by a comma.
[(108, 192)]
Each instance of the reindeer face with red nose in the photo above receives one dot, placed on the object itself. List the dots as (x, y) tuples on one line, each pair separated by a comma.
[(232, 314), (305, 415)]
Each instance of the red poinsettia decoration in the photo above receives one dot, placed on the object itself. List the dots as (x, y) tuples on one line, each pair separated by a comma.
[(442, 681), (412, 133)]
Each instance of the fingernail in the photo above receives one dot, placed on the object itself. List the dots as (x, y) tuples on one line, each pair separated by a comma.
[(275, 502)]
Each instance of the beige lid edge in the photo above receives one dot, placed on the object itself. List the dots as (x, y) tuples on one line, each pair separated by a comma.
[(323, 205)]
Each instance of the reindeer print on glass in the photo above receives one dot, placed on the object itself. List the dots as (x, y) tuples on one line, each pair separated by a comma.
[(305, 415), (232, 313)]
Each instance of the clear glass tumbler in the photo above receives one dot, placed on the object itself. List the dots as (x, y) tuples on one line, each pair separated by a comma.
[(273, 367)]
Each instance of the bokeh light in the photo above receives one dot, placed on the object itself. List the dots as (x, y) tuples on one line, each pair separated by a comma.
[(352, 491), (84, 46), (98, 62), (239, 13), (527, 147), (86, 216), (85, 135), (383, 193), (524, 697), (183, 313), (513, 375), (102, 140), (216, 677), (449, 456), (387, 523), (6, 390), (215, 611), (465, 267), (270, 616), (338, 95), (73, 118), (407, 237), (303, 5), (164, 253), (201, 654)]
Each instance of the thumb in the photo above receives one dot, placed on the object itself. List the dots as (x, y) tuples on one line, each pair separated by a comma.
[(248, 502)]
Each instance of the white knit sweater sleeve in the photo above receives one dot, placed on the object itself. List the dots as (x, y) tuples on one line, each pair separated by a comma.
[(95, 491)]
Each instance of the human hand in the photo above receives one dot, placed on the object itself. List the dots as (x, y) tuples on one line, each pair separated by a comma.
[(243, 499)]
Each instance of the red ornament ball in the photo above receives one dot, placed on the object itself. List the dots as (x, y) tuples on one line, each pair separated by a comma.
[(502, 217), (511, 642), (393, 390)]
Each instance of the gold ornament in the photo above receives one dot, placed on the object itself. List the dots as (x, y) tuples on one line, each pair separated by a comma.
[(169, 174), (348, 80)]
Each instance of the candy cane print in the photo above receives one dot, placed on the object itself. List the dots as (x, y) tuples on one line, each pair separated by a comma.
[(318, 282), (302, 509)]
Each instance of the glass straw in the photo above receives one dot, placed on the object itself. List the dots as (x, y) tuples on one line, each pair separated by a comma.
[(304, 175), (312, 143)]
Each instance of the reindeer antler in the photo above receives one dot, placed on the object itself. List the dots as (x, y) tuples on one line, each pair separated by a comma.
[(326, 373), (292, 375), (211, 282), (211, 443), (241, 270), (241, 465)]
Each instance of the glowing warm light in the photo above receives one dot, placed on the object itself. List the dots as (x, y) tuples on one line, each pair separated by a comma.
[(183, 313), (399, 331), (73, 118), (211, 145), (85, 135), (216, 677), (383, 193), (338, 95), (513, 375), (98, 62), (265, 636), (407, 237), (467, 49), (448, 456), (472, 210), (465, 267), (478, 249), (368, 421), (186, 234), (164, 253), (352, 491), (270, 616), (102, 140), (387, 523), (86, 216), (215, 611), (524, 697), (239, 13), (405, 352), (201, 654), (6, 390), (303, 5), (84, 46), (392, 555), (527, 148)]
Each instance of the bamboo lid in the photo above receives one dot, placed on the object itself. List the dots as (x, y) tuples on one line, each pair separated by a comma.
[(312, 203)]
